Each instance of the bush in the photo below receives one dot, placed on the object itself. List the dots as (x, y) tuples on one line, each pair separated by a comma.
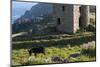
[(93, 21), (89, 50), (91, 28)]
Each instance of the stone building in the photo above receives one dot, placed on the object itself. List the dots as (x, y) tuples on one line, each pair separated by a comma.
[(69, 18)]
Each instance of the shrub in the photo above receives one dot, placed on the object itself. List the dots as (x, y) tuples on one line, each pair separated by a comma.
[(91, 28), (89, 49), (93, 21)]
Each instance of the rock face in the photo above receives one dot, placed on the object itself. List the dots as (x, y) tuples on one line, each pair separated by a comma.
[(74, 55), (40, 9), (30, 18), (57, 59)]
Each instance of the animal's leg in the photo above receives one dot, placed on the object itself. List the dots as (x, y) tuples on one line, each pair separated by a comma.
[(30, 53)]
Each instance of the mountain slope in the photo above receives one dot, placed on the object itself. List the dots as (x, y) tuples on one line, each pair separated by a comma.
[(32, 17)]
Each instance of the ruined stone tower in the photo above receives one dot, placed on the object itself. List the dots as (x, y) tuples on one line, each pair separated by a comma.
[(84, 16), (66, 17)]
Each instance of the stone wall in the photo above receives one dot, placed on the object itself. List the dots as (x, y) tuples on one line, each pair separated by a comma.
[(69, 17), (84, 18), (76, 16)]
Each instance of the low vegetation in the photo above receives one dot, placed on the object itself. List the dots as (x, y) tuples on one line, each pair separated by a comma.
[(21, 56), (68, 48), (93, 18)]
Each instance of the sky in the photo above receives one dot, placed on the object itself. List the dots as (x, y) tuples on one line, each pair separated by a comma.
[(19, 8)]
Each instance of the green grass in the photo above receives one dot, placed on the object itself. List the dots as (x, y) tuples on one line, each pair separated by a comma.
[(62, 45), (21, 56), (76, 39), (50, 37)]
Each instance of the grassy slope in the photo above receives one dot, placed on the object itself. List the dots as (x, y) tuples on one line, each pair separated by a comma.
[(20, 56)]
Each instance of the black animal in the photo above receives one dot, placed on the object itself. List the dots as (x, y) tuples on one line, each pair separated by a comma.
[(36, 50)]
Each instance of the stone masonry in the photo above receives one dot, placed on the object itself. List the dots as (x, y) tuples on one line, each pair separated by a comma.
[(66, 17)]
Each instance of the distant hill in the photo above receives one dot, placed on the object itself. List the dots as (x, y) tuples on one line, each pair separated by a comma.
[(38, 10), (32, 17)]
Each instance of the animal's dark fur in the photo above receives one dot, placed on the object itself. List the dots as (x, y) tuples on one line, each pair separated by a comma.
[(36, 50)]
